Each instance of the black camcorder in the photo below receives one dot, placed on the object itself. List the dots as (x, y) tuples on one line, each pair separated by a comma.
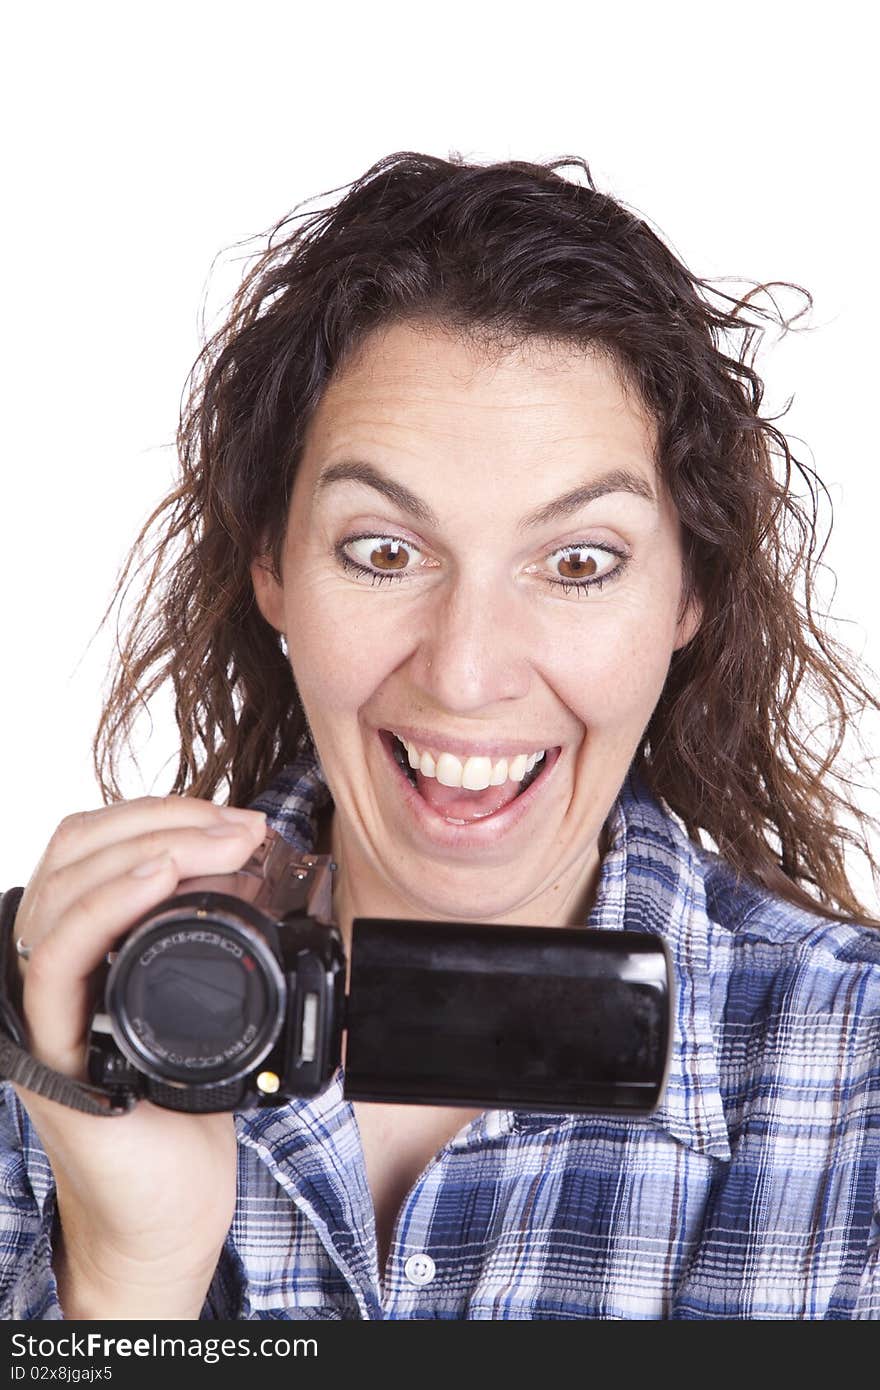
[(232, 993)]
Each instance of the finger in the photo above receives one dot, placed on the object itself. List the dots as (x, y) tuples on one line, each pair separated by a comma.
[(58, 985), (84, 832), (195, 850)]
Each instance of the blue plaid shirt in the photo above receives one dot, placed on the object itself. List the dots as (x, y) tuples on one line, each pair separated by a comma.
[(751, 1193)]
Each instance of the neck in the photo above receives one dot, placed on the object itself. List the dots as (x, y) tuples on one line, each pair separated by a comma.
[(362, 895)]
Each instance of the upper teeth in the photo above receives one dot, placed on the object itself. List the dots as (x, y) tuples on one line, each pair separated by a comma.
[(472, 773)]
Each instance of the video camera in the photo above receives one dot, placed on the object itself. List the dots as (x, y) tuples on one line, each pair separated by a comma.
[(232, 993)]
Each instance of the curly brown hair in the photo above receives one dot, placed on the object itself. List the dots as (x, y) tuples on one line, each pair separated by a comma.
[(511, 250)]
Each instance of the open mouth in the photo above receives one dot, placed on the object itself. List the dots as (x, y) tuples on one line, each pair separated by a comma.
[(461, 805)]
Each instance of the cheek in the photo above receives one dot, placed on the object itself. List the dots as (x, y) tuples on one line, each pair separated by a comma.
[(342, 647), (610, 668)]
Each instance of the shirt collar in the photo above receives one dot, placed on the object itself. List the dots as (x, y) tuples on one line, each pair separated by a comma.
[(651, 880)]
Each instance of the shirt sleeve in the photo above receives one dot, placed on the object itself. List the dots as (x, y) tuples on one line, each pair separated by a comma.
[(28, 1288), (27, 1217), (867, 1305)]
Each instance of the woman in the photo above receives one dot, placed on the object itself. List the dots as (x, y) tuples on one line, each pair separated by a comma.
[(475, 486)]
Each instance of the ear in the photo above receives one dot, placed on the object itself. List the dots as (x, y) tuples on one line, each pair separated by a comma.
[(268, 592), (688, 622)]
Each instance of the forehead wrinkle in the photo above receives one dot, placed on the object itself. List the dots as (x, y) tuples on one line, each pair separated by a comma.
[(349, 431)]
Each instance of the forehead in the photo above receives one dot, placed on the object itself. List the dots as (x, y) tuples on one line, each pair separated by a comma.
[(425, 391)]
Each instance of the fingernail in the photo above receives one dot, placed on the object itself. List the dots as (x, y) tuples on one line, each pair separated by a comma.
[(226, 831), (152, 866)]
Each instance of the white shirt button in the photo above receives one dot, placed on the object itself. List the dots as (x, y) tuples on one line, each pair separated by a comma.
[(420, 1269)]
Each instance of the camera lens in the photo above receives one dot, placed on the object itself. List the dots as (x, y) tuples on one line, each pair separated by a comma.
[(195, 998)]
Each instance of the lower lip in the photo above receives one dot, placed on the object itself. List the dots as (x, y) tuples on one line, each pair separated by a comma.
[(476, 834)]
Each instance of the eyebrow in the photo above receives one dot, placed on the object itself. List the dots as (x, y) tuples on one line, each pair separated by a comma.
[(356, 471)]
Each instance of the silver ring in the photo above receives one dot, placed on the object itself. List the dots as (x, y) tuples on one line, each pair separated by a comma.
[(22, 949)]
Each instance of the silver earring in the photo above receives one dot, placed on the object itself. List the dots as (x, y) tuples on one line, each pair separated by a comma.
[(283, 640)]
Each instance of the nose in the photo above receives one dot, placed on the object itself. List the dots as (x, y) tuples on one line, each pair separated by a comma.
[(474, 648)]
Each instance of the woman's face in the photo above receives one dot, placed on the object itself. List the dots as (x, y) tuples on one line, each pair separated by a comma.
[(497, 478)]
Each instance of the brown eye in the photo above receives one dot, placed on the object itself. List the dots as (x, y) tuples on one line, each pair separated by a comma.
[(389, 556), (577, 566), (581, 569), (379, 557)]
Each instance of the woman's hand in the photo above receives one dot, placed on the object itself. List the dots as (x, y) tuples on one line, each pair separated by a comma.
[(145, 1199)]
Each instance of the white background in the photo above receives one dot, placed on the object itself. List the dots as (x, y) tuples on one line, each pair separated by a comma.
[(140, 141)]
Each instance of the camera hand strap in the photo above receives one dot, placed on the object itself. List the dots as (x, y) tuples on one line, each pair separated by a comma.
[(18, 1065)]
